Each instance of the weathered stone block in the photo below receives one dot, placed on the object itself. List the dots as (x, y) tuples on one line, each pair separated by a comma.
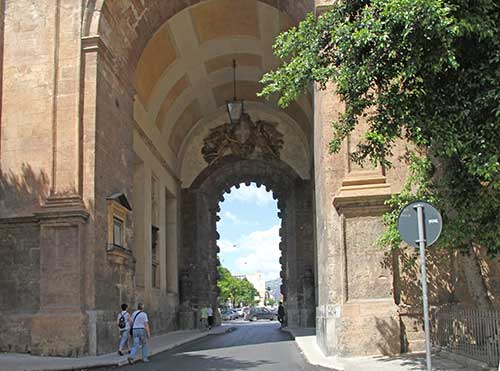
[(60, 333)]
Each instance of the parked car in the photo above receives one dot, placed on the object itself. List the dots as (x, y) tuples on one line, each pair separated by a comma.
[(227, 315), (235, 314), (257, 313), (239, 312), (273, 309)]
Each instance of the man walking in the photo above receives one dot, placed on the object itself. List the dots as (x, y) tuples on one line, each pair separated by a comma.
[(281, 314), (210, 313), (140, 332)]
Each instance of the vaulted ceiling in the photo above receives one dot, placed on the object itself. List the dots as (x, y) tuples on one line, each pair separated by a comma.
[(185, 70)]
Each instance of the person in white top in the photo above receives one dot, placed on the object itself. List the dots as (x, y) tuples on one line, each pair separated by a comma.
[(210, 313), (141, 334), (123, 323)]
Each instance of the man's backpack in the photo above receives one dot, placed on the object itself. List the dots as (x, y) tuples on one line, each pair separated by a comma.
[(121, 322)]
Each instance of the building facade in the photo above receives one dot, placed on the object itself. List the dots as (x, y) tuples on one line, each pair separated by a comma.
[(115, 151), (259, 283)]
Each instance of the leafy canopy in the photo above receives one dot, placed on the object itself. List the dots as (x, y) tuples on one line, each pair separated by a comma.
[(426, 71), (234, 290)]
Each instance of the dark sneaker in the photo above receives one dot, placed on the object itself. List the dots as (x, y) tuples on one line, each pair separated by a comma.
[(120, 352)]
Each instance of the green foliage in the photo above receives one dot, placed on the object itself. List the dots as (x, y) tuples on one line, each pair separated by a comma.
[(426, 71), (271, 301), (234, 290)]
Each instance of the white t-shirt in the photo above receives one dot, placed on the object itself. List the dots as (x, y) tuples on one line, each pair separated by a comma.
[(140, 319), (126, 317), (210, 312)]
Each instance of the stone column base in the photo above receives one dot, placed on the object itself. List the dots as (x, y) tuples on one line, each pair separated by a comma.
[(307, 318), (412, 331), (186, 320), (363, 328), (59, 333), (292, 317)]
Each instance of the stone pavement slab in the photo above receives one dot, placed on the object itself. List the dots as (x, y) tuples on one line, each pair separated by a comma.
[(306, 341), (161, 343)]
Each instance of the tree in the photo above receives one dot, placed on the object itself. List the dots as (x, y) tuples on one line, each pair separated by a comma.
[(225, 284), (246, 292), (425, 71), (234, 290)]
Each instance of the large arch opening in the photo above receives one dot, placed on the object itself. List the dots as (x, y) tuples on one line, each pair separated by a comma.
[(249, 254), (199, 248), (163, 73)]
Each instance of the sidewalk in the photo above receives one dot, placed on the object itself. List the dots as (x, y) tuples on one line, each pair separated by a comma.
[(161, 343), (306, 341)]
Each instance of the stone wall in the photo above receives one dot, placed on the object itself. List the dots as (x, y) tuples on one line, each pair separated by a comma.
[(328, 224), (356, 313), (454, 278), (27, 89), (113, 280), (370, 303), (19, 281)]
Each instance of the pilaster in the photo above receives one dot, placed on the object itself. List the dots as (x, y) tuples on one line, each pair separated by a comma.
[(163, 238), (61, 326), (142, 231), (356, 313), (66, 132)]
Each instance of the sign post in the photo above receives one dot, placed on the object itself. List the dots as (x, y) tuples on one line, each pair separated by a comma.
[(420, 225)]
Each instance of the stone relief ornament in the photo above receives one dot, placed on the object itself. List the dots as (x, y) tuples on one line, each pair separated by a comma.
[(247, 139)]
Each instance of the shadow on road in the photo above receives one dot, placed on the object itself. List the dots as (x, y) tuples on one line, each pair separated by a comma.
[(244, 334), (191, 361), (218, 363), (256, 346)]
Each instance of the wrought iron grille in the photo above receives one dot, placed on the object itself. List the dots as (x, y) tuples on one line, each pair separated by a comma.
[(468, 332)]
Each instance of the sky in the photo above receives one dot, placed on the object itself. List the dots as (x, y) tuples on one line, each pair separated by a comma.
[(249, 232)]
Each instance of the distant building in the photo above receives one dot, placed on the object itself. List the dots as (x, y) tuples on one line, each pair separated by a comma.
[(260, 285), (258, 282)]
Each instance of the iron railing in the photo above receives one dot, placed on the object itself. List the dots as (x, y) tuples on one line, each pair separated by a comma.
[(467, 332)]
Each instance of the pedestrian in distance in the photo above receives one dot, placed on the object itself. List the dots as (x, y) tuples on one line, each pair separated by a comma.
[(140, 331), (281, 314), (123, 323), (204, 317), (210, 313)]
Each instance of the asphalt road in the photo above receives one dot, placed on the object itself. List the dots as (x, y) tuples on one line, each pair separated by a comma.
[(252, 346)]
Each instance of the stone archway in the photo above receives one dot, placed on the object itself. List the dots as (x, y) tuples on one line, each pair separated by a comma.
[(199, 249), (161, 76), (71, 100)]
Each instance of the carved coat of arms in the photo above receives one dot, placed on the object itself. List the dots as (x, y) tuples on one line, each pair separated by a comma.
[(245, 139)]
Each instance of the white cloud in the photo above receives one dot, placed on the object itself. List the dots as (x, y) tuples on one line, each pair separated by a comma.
[(260, 253), (226, 246), (229, 215), (251, 194)]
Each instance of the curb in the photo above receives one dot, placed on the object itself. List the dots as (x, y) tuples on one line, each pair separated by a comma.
[(469, 362), (315, 357), (309, 356), (124, 362)]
